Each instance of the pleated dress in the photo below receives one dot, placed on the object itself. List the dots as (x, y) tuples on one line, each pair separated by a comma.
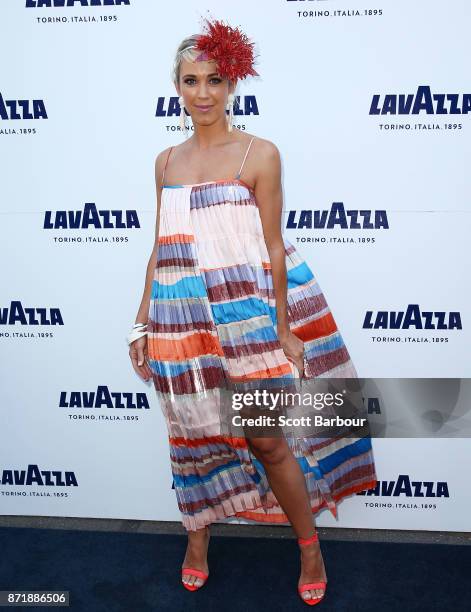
[(212, 318)]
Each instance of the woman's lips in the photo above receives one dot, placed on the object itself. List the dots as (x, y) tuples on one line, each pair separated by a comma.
[(203, 108)]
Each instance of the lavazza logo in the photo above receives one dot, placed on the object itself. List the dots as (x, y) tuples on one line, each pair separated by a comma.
[(20, 110), (424, 102), (36, 478), (407, 493), (90, 217), (93, 16), (26, 316), (412, 318), (87, 405), (244, 106), (333, 218)]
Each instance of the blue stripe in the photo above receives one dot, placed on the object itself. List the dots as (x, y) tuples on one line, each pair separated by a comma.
[(262, 334), (167, 369), (306, 468), (176, 250), (326, 465), (299, 275), (332, 461), (321, 348), (238, 310), (190, 480), (179, 312), (237, 274), (191, 286), (303, 464)]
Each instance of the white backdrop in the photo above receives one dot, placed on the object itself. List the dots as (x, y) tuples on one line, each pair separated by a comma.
[(82, 89)]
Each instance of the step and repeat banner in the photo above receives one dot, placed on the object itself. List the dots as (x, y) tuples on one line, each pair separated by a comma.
[(369, 104)]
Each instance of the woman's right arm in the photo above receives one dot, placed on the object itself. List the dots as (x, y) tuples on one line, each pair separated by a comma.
[(138, 349)]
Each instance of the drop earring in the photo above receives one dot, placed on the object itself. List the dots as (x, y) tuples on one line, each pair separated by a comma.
[(182, 115), (230, 108)]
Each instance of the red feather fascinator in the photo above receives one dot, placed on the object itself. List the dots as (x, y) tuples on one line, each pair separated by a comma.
[(229, 47)]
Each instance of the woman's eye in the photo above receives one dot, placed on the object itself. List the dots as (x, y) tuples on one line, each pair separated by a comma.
[(214, 80)]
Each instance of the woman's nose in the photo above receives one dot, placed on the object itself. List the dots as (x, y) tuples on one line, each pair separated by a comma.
[(202, 90)]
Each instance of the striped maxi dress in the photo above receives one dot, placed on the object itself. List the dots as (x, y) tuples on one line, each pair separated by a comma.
[(212, 315)]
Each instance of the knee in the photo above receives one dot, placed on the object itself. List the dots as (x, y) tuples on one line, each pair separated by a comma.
[(268, 450)]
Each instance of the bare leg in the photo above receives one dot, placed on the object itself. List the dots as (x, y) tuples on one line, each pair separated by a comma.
[(196, 555), (289, 486)]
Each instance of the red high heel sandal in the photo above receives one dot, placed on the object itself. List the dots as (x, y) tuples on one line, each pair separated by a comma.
[(194, 572), (311, 585)]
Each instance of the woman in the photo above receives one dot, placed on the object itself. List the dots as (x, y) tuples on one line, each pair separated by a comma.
[(227, 297)]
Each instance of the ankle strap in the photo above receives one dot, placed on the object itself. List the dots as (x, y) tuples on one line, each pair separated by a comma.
[(311, 540)]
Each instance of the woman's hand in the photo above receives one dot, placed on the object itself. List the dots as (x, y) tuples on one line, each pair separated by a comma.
[(293, 348), (138, 354)]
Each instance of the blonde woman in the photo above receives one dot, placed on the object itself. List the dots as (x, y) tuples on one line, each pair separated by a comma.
[(228, 297)]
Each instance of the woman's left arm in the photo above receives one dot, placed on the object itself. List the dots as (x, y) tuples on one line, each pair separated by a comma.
[(269, 195)]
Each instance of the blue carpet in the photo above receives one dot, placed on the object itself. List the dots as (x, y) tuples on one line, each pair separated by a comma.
[(129, 572)]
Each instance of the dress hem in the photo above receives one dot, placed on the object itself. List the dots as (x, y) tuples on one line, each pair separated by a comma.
[(281, 517)]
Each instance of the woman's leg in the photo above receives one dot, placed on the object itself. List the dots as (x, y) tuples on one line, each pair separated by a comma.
[(196, 554), (288, 483)]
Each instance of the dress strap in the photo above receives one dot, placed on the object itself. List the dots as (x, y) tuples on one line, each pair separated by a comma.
[(245, 157), (166, 162)]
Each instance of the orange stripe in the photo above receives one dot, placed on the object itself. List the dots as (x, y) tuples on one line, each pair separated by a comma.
[(196, 345), (371, 484), (267, 373), (195, 443), (318, 328), (176, 238), (280, 517), (264, 518)]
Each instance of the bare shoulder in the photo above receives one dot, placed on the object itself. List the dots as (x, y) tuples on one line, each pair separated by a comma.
[(161, 159), (267, 159), (159, 165), (267, 152), (265, 146)]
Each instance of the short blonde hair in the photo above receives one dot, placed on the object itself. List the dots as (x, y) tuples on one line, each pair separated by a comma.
[(186, 50)]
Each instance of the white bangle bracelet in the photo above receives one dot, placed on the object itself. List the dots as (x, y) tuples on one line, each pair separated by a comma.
[(138, 331)]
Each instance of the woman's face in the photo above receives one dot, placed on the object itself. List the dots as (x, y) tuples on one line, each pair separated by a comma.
[(204, 91)]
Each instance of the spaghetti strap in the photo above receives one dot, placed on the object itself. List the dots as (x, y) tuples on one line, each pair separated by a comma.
[(166, 162), (245, 157)]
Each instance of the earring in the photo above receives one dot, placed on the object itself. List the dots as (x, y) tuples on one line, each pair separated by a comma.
[(230, 108), (182, 115)]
